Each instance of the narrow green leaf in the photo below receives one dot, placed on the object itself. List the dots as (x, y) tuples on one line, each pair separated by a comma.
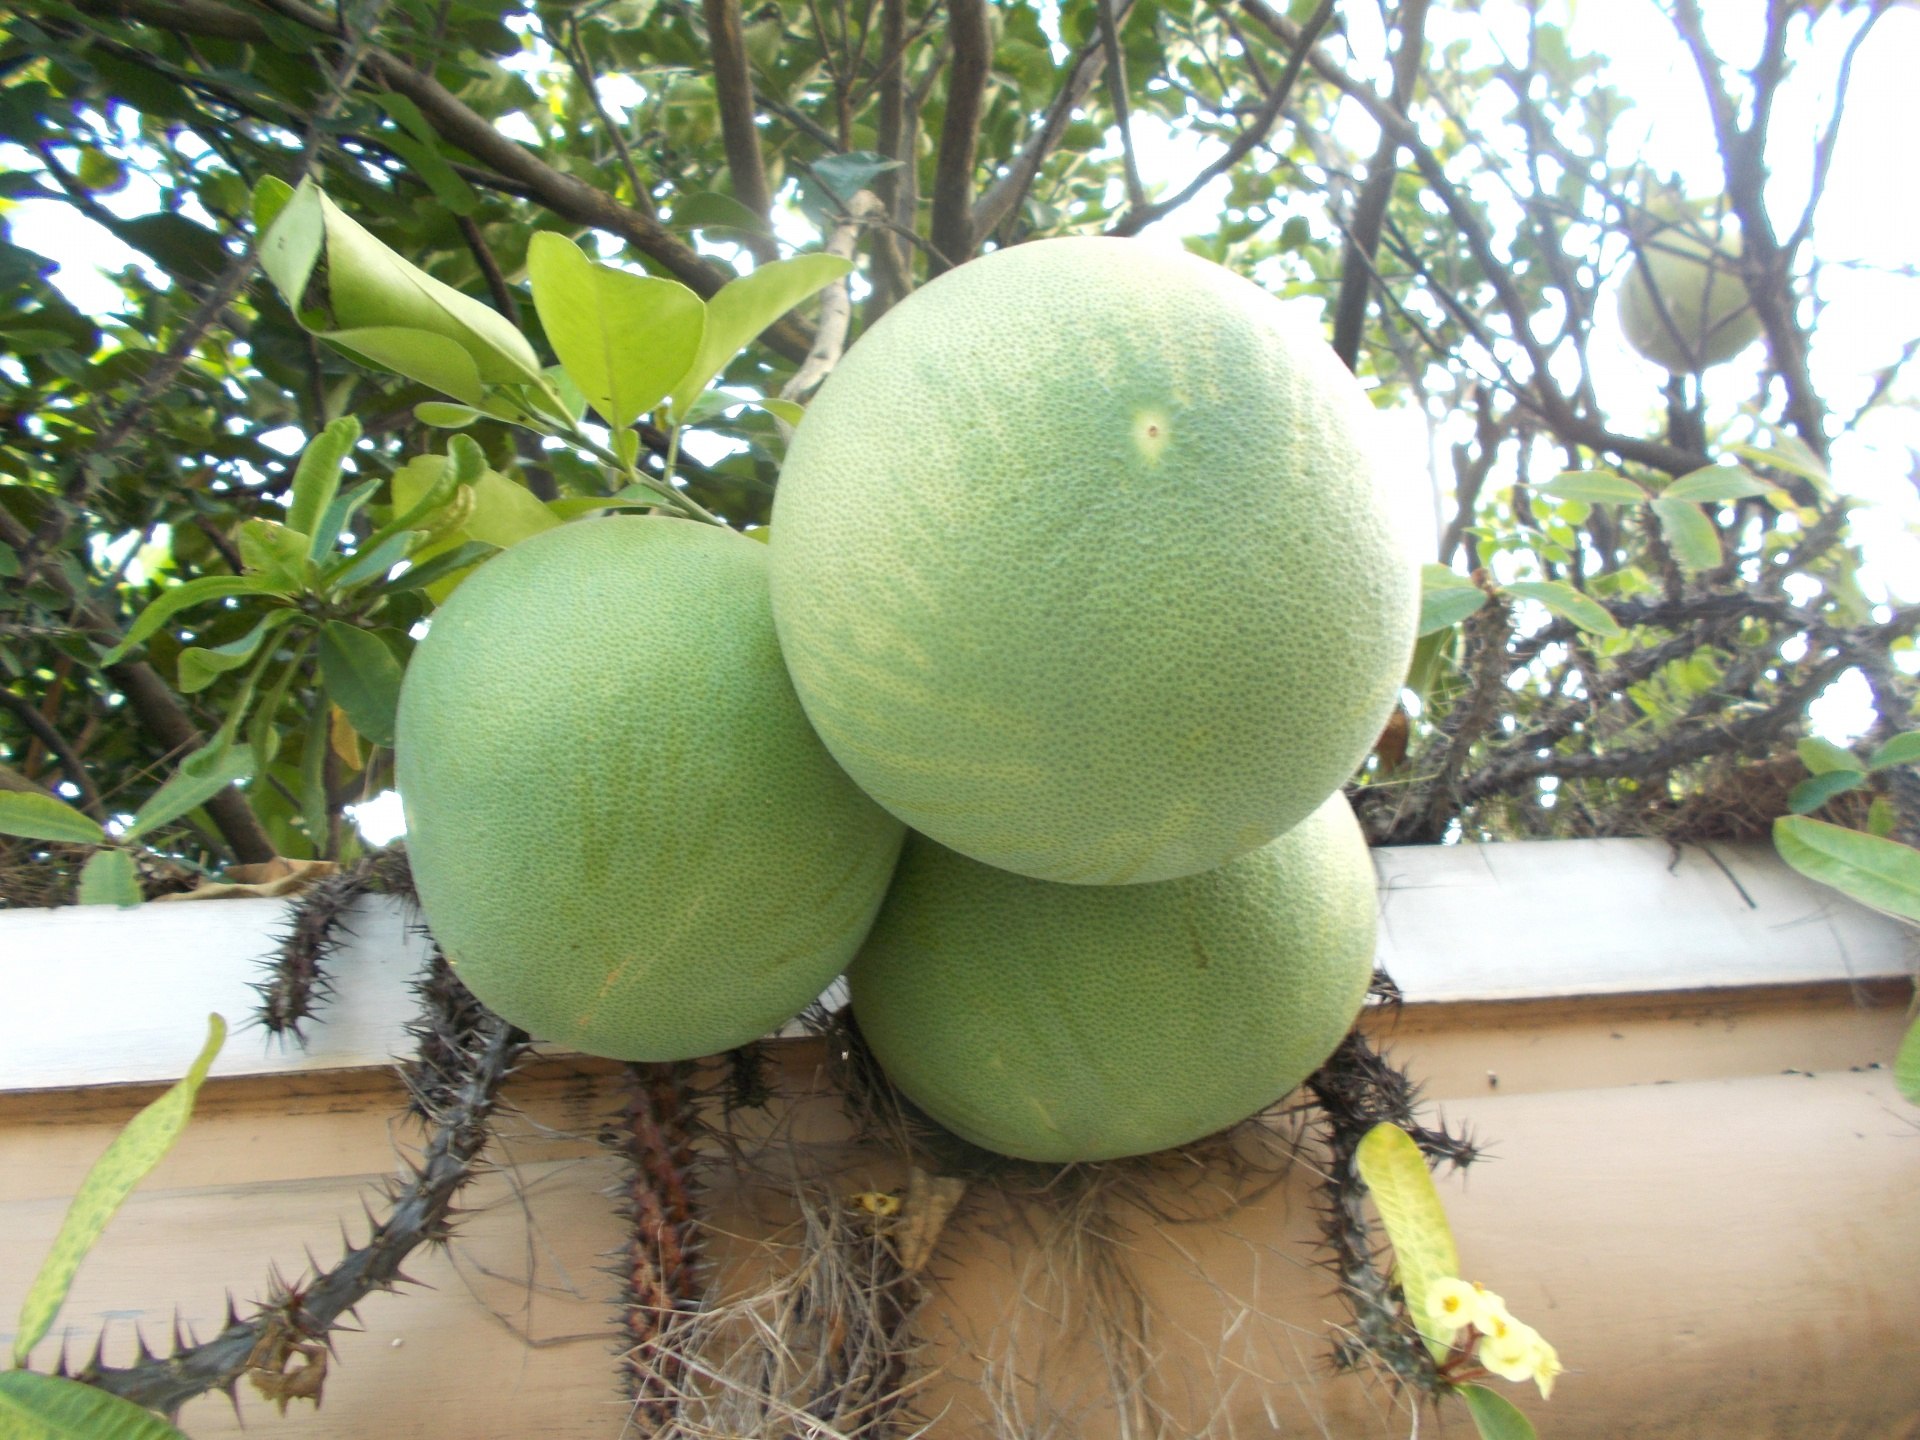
[(201, 776), (316, 480), (1396, 1174), (421, 355), (438, 567), (368, 563), (344, 507), (45, 1407), (1882, 874), (41, 817), (1906, 1064), (1810, 794), (1495, 1416), (110, 878), (1596, 487), (1690, 534), (1715, 484), (443, 416), (171, 602), (134, 1152), (746, 306), (1900, 750), (1790, 453), (263, 731), (276, 554), (1821, 756), (1568, 603), (1440, 609), (362, 677), (201, 665), (623, 338)]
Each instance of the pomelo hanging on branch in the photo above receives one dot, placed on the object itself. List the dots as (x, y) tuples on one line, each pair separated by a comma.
[(1087, 1022), (624, 834), (1684, 305), (1082, 568)]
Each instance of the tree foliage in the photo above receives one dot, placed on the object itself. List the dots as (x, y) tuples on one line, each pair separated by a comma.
[(1630, 613)]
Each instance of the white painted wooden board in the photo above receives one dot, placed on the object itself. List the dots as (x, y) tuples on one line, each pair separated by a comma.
[(93, 996)]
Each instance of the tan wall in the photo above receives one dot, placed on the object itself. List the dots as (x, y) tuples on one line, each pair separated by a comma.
[(1719, 1244)]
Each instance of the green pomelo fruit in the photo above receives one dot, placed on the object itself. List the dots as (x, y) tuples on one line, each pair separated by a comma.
[(1082, 569), (1701, 315), (624, 833), (1074, 1022)]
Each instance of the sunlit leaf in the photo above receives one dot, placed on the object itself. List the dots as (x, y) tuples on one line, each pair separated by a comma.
[(1881, 874), (1689, 533), (1446, 598), (1821, 756), (1715, 484), (1596, 487), (41, 817), (746, 306), (316, 480), (419, 355), (623, 338), (136, 1150), (1395, 1173), (180, 597), (1900, 750), (444, 416), (45, 1407), (1568, 603), (276, 554), (109, 878)]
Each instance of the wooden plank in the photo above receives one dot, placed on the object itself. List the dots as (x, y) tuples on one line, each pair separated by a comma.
[(120, 997)]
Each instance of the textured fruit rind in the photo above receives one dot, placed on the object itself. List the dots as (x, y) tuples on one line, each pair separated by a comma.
[(1081, 566), (623, 831), (1702, 317), (1068, 1022)]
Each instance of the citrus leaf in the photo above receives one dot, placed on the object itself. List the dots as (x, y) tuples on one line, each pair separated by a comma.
[(109, 878), (344, 507), (623, 338), (200, 665), (208, 587), (441, 415), (362, 677), (134, 1152), (419, 355), (367, 562), (276, 554), (1440, 609), (316, 480), (1715, 483), (1823, 756), (1396, 1174), (505, 513), (1689, 533), (1596, 487), (1882, 874), (1495, 1416), (41, 817), (1810, 794), (438, 567), (1906, 1065), (1900, 750), (746, 306), (1568, 603), (292, 238), (1790, 453), (46, 1407), (201, 776)]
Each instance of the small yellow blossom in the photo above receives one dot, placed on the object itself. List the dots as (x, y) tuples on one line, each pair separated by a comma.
[(1512, 1352), (1546, 1367), (1452, 1303)]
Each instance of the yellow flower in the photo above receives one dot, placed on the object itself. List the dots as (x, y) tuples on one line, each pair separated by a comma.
[(1546, 1367), (1512, 1351), (1452, 1303)]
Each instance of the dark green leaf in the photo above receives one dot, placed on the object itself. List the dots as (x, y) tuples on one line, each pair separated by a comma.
[(1810, 794), (45, 1407), (340, 513), (134, 1151), (1882, 874), (1495, 1416), (201, 776), (194, 592), (110, 878), (362, 678), (442, 565), (201, 666), (41, 817), (367, 564)]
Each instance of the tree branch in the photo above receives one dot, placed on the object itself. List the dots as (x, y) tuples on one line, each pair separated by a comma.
[(70, 764), (952, 230), (733, 86)]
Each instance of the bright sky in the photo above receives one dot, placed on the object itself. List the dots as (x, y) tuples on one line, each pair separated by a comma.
[(1867, 228)]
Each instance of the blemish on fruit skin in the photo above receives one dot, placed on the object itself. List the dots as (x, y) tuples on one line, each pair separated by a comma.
[(1151, 432)]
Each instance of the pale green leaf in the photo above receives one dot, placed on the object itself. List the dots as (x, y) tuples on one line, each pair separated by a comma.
[(1596, 487), (1882, 818), (1568, 603), (276, 554), (1395, 1172), (1790, 453), (201, 665), (110, 878), (41, 817), (316, 480), (748, 305), (294, 239), (135, 1151), (1906, 1064), (45, 1407), (623, 338), (786, 410), (1715, 484), (1689, 533), (171, 602), (344, 507), (1881, 874), (270, 197), (1495, 1416), (1821, 756), (505, 513), (419, 355), (201, 776), (362, 678), (371, 561), (1440, 609), (443, 416), (1810, 794), (1900, 750)]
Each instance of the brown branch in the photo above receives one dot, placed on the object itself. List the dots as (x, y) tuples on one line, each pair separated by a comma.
[(582, 66), (952, 231), (891, 277), (1370, 212), (497, 287), (1117, 97), (55, 742), (733, 88)]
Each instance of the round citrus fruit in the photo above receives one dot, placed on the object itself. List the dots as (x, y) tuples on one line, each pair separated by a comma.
[(624, 834), (1081, 566), (1684, 305), (1074, 1022)]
